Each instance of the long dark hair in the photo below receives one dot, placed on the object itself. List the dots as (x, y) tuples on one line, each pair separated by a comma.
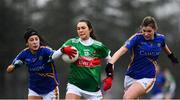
[(29, 32), (92, 34)]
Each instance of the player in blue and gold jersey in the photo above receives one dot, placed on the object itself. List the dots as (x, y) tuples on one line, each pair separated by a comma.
[(43, 83), (145, 47)]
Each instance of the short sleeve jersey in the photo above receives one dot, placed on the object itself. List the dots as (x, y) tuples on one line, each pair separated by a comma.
[(42, 75), (85, 73), (144, 55)]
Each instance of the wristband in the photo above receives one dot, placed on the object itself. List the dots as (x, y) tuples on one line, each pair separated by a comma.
[(109, 70)]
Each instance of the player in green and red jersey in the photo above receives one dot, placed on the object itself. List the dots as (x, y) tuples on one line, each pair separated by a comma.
[(84, 79)]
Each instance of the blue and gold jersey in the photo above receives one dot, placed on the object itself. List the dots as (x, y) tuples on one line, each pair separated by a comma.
[(42, 75), (144, 54)]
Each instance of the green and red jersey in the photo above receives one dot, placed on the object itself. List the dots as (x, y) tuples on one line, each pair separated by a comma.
[(85, 73)]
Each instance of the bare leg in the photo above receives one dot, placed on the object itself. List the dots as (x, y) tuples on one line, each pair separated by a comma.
[(71, 96), (34, 98), (134, 91)]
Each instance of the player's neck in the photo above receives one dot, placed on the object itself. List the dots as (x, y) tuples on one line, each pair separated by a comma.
[(87, 42)]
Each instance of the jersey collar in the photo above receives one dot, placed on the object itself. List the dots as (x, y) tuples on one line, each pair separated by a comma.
[(87, 42)]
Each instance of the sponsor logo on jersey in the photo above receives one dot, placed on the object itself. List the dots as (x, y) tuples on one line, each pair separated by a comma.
[(88, 61), (36, 68)]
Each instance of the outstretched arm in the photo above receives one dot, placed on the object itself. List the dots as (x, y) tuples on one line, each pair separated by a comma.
[(115, 57), (107, 82), (171, 55), (69, 50), (56, 54), (16, 64), (118, 54), (167, 50)]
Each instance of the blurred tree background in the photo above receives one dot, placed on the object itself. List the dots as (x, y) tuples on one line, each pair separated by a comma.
[(114, 22)]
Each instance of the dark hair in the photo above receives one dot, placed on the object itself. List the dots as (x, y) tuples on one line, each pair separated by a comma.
[(149, 21), (30, 32), (92, 35)]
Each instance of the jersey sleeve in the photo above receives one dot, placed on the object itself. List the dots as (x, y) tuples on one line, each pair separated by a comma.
[(106, 52), (161, 38), (47, 54), (48, 51), (163, 41), (19, 60), (102, 50), (132, 41), (70, 42)]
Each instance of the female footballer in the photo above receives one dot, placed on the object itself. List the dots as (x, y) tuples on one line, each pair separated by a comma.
[(43, 83), (84, 80), (145, 47)]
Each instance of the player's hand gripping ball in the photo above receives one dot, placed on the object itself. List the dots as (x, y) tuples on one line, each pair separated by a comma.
[(72, 57)]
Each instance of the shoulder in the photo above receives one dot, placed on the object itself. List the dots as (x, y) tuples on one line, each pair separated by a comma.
[(74, 40), (136, 35), (99, 44), (25, 50), (159, 35), (46, 49)]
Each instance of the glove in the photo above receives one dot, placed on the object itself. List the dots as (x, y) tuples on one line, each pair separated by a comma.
[(109, 70), (107, 83), (71, 52), (173, 59)]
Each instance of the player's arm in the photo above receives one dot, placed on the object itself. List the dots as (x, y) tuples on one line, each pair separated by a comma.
[(129, 44), (17, 62), (69, 50), (109, 67), (56, 54), (167, 50), (65, 49), (107, 82), (118, 54), (170, 54), (14, 65)]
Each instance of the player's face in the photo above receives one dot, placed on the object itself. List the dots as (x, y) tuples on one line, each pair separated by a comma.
[(148, 32), (33, 42), (83, 30)]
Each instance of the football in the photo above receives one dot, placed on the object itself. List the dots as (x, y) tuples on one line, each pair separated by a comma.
[(67, 59)]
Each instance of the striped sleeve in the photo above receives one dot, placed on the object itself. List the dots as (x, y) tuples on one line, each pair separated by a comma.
[(131, 42)]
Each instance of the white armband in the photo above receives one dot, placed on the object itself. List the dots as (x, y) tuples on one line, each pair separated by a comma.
[(56, 54)]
